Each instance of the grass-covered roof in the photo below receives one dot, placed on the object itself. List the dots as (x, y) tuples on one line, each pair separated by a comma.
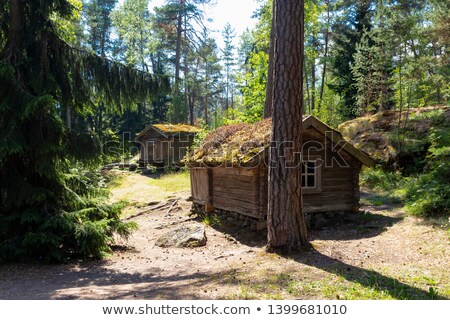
[(236, 143), (170, 129), (176, 128), (245, 144)]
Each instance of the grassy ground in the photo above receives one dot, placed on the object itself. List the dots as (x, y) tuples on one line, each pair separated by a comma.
[(141, 190), (383, 255)]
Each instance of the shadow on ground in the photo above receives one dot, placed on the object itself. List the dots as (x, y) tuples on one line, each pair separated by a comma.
[(94, 280), (367, 278), (355, 226), (350, 227)]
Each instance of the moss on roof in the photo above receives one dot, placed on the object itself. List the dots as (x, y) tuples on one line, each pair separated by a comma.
[(176, 128), (247, 144), (236, 143)]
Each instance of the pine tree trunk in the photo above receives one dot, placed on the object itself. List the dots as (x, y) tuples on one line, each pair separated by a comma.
[(207, 94), (187, 87), (286, 223), (308, 98), (313, 85), (178, 45), (206, 109), (68, 118), (14, 44), (325, 56), (269, 86)]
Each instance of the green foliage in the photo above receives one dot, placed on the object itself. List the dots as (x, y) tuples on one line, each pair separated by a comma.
[(200, 136), (253, 75), (211, 219), (374, 63), (133, 23), (429, 193), (83, 226), (51, 206), (254, 90), (379, 179), (177, 112)]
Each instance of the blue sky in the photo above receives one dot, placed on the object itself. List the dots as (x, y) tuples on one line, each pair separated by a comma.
[(237, 12)]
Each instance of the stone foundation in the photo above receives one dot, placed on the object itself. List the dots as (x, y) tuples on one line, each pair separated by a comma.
[(314, 221)]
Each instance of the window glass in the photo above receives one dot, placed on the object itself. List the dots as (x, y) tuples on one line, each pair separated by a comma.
[(309, 174)]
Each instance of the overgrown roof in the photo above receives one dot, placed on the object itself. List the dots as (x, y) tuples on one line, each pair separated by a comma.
[(236, 143), (240, 143), (170, 129)]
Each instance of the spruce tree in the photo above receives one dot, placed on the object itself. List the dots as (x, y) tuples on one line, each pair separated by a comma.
[(49, 209)]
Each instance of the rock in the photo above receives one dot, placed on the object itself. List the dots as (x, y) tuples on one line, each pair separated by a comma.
[(187, 236), (229, 238)]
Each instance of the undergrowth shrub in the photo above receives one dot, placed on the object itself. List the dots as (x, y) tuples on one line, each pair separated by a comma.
[(426, 193), (429, 193), (379, 179), (82, 227)]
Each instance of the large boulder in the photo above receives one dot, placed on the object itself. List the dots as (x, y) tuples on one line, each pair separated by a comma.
[(187, 236)]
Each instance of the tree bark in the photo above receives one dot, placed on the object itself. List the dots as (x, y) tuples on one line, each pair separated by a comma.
[(313, 85), (68, 118), (286, 223), (207, 92), (308, 98), (325, 56), (14, 43), (178, 45), (269, 85)]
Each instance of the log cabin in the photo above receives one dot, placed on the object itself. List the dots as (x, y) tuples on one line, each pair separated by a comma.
[(164, 144), (229, 170)]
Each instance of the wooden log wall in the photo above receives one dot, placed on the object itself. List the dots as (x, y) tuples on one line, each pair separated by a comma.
[(155, 148), (245, 190), (236, 189)]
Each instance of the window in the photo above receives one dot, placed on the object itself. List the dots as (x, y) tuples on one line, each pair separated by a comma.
[(311, 176)]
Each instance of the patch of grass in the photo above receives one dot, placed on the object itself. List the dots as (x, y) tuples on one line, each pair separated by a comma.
[(113, 178), (340, 284), (244, 293), (211, 219), (141, 190), (173, 182), (380, 198)]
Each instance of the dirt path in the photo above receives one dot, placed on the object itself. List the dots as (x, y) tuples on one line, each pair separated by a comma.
[(372, 256)]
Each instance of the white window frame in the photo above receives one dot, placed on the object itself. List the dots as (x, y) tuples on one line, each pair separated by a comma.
[(317, 188)]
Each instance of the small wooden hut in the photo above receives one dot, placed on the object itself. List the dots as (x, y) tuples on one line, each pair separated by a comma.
[(229, 171), (165, 144)]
